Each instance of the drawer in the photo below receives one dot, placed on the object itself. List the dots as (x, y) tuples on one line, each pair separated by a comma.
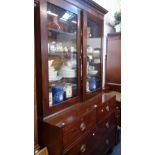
[(104, 130), (109, 141), (84, 146), (112, 103), (102, 112), (106, 142), (109, 123), (73, 131)]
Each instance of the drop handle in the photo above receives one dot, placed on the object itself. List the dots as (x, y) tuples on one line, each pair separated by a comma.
[(95, 106), (107, 125), (107, 141), (117, 108), (83, 148), (82, 126), (107, 108)]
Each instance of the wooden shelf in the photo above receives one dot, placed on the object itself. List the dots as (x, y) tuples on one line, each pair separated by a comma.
[(59, 53), (63, 33), (64, 80)]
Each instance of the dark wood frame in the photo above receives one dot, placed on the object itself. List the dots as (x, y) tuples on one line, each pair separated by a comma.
[(86, 15), (36, 48), (50, 134), (94, 11), (45, 110), (90, 6), (36, 145)]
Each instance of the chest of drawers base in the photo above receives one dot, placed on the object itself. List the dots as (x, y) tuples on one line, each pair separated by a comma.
[(87, 129)]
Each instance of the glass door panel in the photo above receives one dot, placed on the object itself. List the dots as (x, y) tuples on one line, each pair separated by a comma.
[(62, 54), (94, 46)]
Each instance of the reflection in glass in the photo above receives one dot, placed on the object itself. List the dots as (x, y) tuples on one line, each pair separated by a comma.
[(62, 54), (93, 56)]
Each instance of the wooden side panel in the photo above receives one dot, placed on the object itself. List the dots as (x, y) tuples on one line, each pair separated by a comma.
[(36, 146), (51, 137), (36, 9)]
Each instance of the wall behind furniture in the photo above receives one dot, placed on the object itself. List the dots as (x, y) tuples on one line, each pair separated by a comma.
[(112, 6)]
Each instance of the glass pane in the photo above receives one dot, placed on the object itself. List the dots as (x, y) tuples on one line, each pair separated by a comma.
[(93, 56), (62, 54)]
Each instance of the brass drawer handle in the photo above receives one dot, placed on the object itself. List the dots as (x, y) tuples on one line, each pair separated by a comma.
[(83, 148), (107, 141), (82, 126), (107, 108), (117, 108), (95, 106), (102, 110), (107, 125)]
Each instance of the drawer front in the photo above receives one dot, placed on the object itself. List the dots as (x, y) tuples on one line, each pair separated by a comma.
[(112, 103), (84, 146), (108, 124), (105, 142), (104, 131), (102, 112), (109, 141), (74, 130)]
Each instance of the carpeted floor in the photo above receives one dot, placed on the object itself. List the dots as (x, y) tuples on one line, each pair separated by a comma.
[(116, 150)]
